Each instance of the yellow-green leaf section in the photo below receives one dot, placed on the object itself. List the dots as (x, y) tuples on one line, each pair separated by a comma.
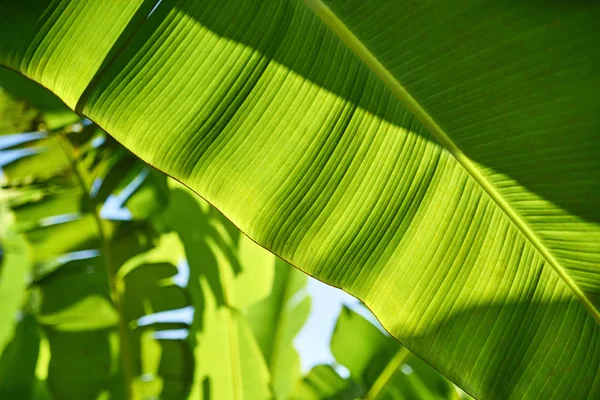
[(263, 110), (331, 19)]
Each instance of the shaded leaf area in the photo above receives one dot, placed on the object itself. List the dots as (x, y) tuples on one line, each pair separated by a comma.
[(75, 214), (56, 113)]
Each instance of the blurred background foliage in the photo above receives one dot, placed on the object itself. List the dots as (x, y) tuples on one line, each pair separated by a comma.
[(118, 282)]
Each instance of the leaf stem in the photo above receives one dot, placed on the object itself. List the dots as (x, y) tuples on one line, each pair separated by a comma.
[(111, 271), (386, 375)]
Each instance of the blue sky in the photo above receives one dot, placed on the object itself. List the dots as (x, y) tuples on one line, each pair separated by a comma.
[(313, 340)]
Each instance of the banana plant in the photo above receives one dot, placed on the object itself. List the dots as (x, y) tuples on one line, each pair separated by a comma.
[(113, 308), (438, 160), (80, 221), (176, 302), (75, 242)]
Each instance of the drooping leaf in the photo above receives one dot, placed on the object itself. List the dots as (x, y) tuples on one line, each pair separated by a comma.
[(228, 275), (159, 312), (437, 160)]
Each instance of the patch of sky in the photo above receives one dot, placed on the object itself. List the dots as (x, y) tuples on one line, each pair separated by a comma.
[(52, 265), (7, 141), (182, 277), (98, 141), (113, 208), (154, 8), (96, 185), (171, 334), (58, 219), (183, 315), (9, 156)]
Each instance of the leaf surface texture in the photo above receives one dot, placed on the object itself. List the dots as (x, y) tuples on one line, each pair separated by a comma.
[(483, 258)]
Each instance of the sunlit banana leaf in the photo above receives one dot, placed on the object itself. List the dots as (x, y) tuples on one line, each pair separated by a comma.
[(439, 160)]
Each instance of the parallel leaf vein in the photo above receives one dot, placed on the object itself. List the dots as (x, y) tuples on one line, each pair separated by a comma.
[(361, 50)]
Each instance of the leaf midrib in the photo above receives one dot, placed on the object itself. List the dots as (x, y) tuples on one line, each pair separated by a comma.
[(333, 22)]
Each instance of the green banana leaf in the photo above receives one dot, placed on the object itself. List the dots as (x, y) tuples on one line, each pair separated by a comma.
[(323, 382), (231, 275), (35, 99), (19, 334), (158, 311), (14, 269), (18, 361), (73, 217), (439, 160), (276, 321), (231, 365), (17, 116), (380, 366)]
